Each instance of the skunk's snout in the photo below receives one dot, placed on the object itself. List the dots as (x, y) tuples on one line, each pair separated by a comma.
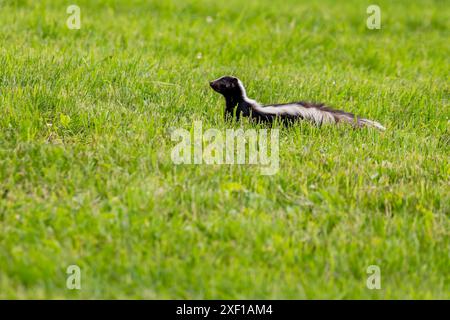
[(213, 85)]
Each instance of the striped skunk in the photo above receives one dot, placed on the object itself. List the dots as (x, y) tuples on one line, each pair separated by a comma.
[(237, 101)]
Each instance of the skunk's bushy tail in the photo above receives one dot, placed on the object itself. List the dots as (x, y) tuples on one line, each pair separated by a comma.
[(371, 123), (342, 116), (323, 114)]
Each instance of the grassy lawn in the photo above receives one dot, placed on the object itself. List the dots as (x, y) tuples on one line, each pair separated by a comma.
[(87, 179)]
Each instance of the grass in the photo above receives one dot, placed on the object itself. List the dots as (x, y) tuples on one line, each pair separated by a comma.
[(86, 176)]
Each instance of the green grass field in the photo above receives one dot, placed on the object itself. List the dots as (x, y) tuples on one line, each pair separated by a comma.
[(86, 175)]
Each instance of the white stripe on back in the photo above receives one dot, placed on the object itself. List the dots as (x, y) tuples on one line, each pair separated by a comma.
[(297, 110)]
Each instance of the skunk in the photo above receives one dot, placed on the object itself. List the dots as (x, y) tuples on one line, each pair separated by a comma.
[(237, 101)]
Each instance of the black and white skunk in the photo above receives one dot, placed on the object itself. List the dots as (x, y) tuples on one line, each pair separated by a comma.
[(237, 101)]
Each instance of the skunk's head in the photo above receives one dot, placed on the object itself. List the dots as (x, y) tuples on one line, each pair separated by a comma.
[(228, 86)]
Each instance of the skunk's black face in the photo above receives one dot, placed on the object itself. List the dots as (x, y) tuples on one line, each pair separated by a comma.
[(227, 86)]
